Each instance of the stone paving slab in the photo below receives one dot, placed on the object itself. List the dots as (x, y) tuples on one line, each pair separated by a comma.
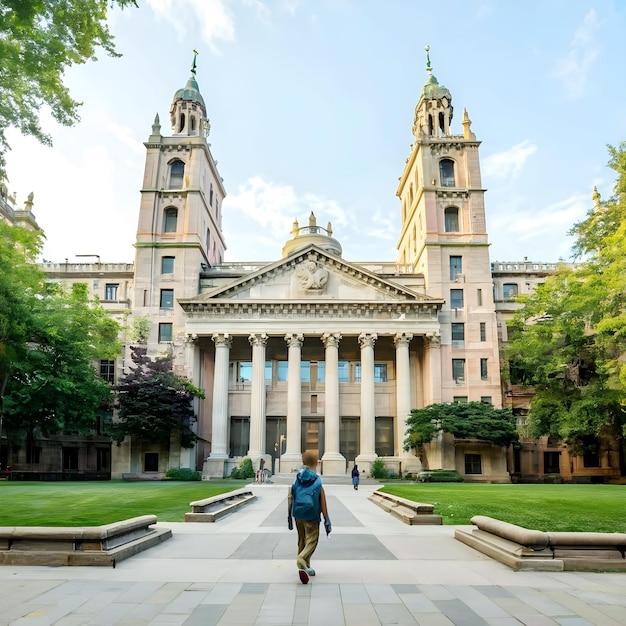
[(373, 570)]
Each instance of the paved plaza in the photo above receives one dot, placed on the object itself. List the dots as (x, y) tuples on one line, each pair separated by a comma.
[(372, 570)]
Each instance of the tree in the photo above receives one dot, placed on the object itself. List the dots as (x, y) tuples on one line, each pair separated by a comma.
[(52, 385), (569, 339), (154, 403), (39, 40), (464, 420)]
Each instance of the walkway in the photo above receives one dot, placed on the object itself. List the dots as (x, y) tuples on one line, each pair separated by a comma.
[(372, 570)]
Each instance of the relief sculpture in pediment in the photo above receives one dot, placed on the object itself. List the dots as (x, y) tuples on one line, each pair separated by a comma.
[(311, 276)]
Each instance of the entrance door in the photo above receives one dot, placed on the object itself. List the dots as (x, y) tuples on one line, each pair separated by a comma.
[(275, 438), (313, 436)]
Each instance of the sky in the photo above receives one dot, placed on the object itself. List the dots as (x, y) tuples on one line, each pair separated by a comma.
[(311, 105)]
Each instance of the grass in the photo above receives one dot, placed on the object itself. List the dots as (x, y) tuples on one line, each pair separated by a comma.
[(550, 508), (101, 502)]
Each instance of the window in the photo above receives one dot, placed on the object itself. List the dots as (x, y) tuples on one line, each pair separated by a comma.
[(170, 217), (380, 372), (349, 438), (456, 298), (486, 399), (551, 463), (305, 371), (70, 459), (446, 172), (459, 400), (509, 291), (167, 299), (458, 335), (239, 436), (384, 436), (344, 371), (244, 372), (268, 372), (479, 297), (177, 173), (211, 194), (483, 331), (456, 266), (167, 265), (107, 370), (451, 216), (151, 462), (283, 368), (473, 464), (165, 332), (483, 369), (321, 371), (458, 370), (110, 291)]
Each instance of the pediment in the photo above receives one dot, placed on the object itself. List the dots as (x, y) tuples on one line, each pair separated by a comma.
[(312, 275)]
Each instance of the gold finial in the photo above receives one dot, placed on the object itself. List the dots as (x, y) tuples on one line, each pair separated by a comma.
[(312, 220), (329, 229), (295, 229)]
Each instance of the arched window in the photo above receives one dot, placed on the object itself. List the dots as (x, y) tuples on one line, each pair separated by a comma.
[(181, 125), (451, 216), (446, 172), (170, 218), (177, 173)]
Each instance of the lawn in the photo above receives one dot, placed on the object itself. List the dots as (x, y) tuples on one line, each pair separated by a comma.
[(597, 508), (101, 502)]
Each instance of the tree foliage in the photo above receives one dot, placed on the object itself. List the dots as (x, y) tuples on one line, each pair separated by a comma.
[(39, 40), (569, 339), (464, 420), (154, 403), (50, 337)]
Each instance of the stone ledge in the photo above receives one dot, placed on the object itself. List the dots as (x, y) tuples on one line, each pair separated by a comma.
[(81, 545), (407, 511), (534, 550), (211, 509)]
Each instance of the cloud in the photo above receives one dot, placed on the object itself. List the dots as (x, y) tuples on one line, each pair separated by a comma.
[(508, 164), (261, 216), (215, 21), (574, 67)]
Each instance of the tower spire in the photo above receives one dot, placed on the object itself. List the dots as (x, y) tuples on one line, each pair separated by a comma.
[(429, 68), (193, 65)]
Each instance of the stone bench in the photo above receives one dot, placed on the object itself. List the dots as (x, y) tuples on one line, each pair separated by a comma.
[(211, 509), (80, 545), (534, 550), (409, 512)]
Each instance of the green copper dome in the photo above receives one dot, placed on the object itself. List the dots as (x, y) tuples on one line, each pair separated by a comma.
[(433, 90), (190, 92)]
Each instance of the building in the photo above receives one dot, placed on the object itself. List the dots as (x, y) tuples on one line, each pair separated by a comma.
[(313, 351)]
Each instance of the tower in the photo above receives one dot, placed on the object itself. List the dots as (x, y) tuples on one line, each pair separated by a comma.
[(444, 237), (179, 232)]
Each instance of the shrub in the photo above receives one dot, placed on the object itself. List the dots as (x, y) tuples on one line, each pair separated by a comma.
[(378, 469), (244, 470), (439, 476), (182, 473)]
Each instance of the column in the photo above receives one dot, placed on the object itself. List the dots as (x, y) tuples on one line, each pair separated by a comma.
[(292, 459), (257, 397), (368, 401), (432, 382), (219, 431), (188, 455), (408, 461), (334, 461)]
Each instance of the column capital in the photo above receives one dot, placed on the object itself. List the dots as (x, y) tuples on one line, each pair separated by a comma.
[(222, 339), (191, 338), (402, 338), (432, 340), (367, 340), (331, 340), (258, 339), (294, 340)]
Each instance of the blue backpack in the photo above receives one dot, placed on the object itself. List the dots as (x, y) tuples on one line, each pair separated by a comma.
[(306, 490)]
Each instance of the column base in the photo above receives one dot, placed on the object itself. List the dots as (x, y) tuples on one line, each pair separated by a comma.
[(333, 464), (290, 462), (213, 468)]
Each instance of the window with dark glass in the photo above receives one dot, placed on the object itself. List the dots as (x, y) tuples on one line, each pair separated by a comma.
[(458, 334), (456, 298), (384, 436), (473, 464), (446, 172), (165, 332), (107, 370), (451, 215), (486, 399), (170, 219), (509, 290), (551, 464), (456, 266), (239, 436), (344, 371), (459, 399), (177, 173), (167, 265), (483, 331), (151, 462), (458, 370), (110, 291), (483, 368), (349, 438), (167, 299)]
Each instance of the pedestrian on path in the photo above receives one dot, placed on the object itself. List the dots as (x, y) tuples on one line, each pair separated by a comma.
[(355, 476), (306, 502)]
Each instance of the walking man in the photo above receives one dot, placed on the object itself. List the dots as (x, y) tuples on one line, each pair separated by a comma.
[(306, 502)]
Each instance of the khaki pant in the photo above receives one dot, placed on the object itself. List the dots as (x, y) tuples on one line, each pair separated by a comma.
[(308, 536)]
